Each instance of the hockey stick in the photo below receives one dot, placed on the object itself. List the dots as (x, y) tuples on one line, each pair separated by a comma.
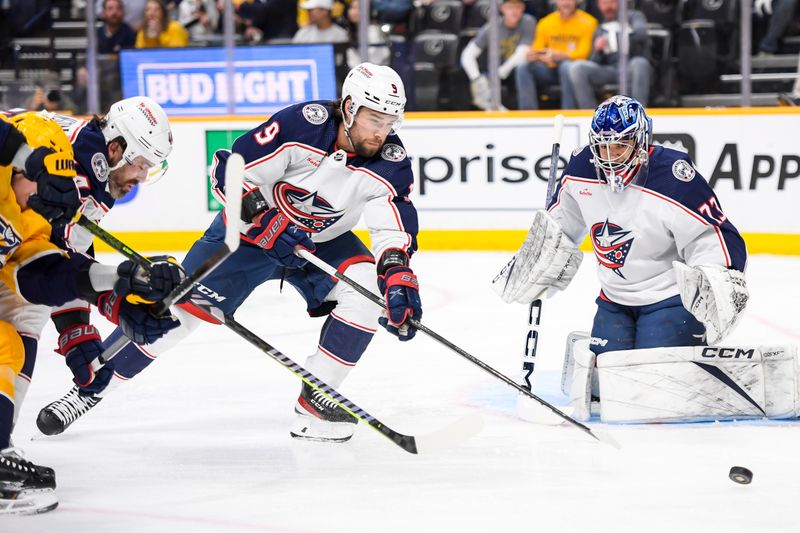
[(525, 409), (328, 269), (450, 435), (234, 175)]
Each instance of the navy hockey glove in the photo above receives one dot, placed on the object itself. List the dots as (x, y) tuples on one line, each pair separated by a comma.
[(80, 344), (401, 290), (164, 276), (273, 232), (137, 321), (56, 198)]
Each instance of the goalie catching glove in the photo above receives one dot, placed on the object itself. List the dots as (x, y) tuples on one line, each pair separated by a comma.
[(548, 259), (715, 295)]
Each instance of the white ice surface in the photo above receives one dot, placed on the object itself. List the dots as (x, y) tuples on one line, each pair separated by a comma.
[(199, 441)]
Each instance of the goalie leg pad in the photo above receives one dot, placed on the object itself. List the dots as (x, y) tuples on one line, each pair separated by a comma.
[(548, 259), (568, 367), (583, 372), (700, 383)]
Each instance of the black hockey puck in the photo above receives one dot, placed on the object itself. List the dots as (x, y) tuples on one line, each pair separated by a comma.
[(740, 475)]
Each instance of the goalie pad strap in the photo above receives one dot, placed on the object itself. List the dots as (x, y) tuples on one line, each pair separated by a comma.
[(699, 383)]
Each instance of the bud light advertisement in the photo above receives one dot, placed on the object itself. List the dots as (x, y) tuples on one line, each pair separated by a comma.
[(193, 81)]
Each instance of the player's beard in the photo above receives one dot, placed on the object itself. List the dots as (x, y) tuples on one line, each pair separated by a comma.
[(366, 150), (117, 186)]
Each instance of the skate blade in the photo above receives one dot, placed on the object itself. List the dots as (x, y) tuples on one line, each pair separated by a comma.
[(29, 502), (316, 430)]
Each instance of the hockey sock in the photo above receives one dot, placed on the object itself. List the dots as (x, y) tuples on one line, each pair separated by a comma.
[(341, 345), (23, 379)]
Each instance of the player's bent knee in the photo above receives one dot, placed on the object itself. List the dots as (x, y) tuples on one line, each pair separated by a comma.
[(352, 306)]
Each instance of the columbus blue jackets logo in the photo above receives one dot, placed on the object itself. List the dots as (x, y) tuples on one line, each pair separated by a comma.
[(307, 210), (8, 240), (611, 245)]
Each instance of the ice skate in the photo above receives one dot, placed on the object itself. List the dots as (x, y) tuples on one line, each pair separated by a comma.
[(25, 488), (57, 416), (320, 419)]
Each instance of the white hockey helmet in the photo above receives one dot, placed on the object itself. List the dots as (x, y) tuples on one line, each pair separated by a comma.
[(145, 127), (376, 87)]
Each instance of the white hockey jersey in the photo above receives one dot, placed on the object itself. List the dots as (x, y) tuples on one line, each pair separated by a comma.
[(294, 160), (91, 164), (672, 216)]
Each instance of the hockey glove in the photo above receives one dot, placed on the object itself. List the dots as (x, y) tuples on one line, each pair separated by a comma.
[(273, 232), (401, 290), (56, 198), (80, 344), (164, 276), (137, 321)]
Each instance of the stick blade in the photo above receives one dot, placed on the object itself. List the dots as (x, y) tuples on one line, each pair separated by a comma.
[(451, 435), (606, 438), (530, 410), (234, 176)]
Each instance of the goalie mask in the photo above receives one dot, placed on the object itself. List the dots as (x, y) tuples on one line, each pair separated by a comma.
[(144, 127), (376, 87), (620, 138)]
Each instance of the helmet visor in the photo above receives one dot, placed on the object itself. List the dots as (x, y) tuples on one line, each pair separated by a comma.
[(150, 172), (373, 121)]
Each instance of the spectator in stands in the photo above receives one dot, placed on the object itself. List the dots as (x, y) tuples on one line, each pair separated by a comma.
[(586, 76), (781, 14), (115, 34), (561, 37), (268, 20), (134, 11), (320, 27), (379, 51), (792, 98), (515, 35), (199, 17), (48, 96), (158, 31)]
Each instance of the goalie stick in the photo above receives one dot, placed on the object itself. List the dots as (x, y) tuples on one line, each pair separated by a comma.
[(331, 271), (448, 436), (525, 409)]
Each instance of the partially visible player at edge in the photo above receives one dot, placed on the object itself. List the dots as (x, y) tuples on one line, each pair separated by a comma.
[(312, 171), (644, 208), (37, 194), (113, 153)]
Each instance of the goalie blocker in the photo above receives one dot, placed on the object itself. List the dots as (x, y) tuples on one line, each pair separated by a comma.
[(684, 384)]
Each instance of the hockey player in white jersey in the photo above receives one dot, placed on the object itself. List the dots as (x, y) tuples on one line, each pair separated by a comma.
[(669, 260), (312, 171)]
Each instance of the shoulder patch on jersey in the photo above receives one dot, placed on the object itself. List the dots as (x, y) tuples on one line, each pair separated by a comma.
[(683, 170), (100, 166), (315, 113), (393, 152), (9, 240)]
